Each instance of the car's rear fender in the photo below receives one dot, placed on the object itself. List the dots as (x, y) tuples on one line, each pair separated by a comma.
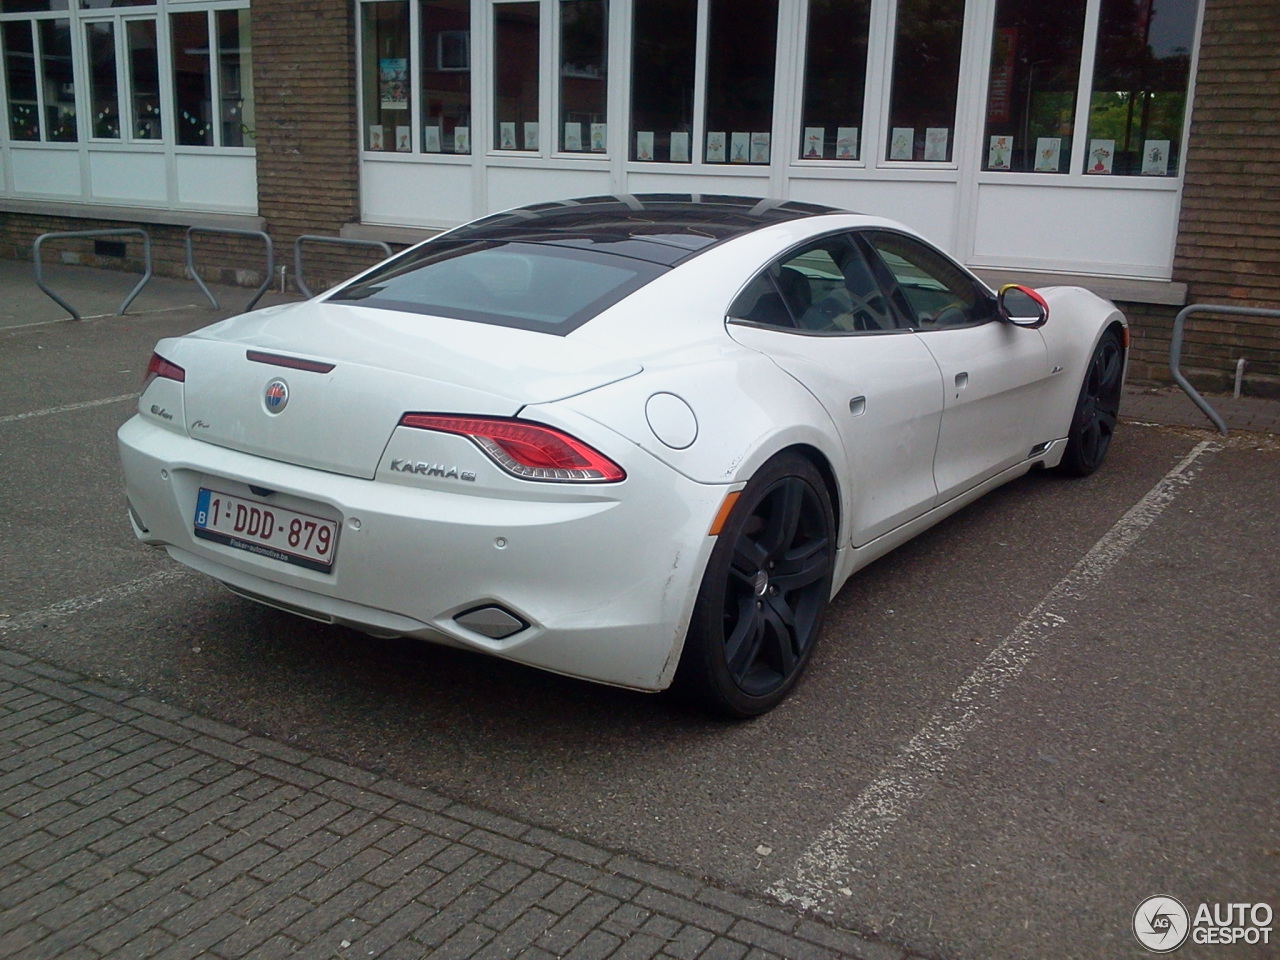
[(745, 410), (743, 407)]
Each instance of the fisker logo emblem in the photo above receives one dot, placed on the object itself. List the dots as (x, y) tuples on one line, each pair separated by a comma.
[(276, 395)]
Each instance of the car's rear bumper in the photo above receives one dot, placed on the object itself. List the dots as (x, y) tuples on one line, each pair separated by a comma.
[(604, 577)]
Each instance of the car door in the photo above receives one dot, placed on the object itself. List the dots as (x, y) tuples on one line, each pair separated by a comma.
[(992, 371), (819, 313)]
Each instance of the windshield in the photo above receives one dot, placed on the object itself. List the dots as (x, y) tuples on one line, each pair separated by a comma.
[(534, 286)]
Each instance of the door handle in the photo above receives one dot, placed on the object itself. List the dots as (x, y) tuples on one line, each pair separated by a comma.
[(858, 406), (962, 380)]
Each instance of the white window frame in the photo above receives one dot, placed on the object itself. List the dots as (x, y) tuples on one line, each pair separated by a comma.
[(124, 68), (120, 16), (37, 54), (953, 197), (215, 81), (556, 57), (91, 149), (87, 72)]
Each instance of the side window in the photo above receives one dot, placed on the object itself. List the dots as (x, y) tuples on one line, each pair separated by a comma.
[(824, 287), (932, 290)]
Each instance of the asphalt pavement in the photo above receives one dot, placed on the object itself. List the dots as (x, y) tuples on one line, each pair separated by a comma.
[(1053, 705)]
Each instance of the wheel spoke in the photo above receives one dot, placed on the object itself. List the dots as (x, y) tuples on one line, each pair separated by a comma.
[(778, 608), (809, 566), (1090, 440), (1096, 437), (780, 639), (742, 646), (784, 517), (749, 557), (1110, 374)]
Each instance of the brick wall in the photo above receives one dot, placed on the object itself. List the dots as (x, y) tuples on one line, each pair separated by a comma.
[(1228, 248), (221, 259), (304, 81), (304, 86)]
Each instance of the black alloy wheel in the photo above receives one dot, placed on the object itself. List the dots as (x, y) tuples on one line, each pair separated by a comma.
[(1097, 410), (765, 592)]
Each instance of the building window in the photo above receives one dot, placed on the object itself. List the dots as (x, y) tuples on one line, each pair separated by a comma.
[(235, 78), (584, 75), (835, 79), (926, 75), (212, 94), (192, 78), (104, 93), (516, 48), (446, 75), (387, 91), (1140, 78), (21, 82), (146, 122), (1031, 96), (59, 80), (741, 49), (40, 80), (664, 54)]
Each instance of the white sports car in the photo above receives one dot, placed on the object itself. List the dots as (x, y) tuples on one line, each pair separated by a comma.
[(636, 439)]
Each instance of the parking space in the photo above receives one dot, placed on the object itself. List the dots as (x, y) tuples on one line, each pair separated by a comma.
[(1018, 726)]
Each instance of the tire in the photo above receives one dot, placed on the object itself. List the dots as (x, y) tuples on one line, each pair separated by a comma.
[(1097, 410), (764, 595)]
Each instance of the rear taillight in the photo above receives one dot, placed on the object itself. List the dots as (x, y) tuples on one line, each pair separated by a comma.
[(160, 367), (527, 450)]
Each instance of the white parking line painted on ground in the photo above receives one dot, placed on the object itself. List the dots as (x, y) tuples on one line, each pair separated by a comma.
[(68, 407), (6, 324), (824, 868), (65, 609)]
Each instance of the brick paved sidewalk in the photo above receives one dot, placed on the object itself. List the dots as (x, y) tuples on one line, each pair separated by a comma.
[(129, 829)]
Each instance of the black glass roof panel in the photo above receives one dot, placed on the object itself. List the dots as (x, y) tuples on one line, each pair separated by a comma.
[(661, 228)]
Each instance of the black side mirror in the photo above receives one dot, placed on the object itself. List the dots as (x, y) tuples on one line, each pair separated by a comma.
[(1022, 306)]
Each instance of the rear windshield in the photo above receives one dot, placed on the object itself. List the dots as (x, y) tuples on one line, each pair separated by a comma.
[(533, 286)]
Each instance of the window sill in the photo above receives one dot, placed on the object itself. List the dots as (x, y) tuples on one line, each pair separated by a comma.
[(388, 234), (1122, 289), (101, 211)]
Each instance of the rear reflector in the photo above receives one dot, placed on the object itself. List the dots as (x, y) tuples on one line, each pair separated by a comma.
[(523, 449), (160, 367), (293, 363)]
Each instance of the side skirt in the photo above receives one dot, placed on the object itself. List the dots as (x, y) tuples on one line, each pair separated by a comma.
[(852, 559)]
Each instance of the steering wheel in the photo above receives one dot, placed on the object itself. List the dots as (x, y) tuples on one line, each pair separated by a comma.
[(952, 315)]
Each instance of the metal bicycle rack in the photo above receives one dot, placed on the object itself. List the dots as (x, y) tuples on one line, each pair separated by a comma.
[(78, 234), (194, 275), (1175, 350), (336, 241)]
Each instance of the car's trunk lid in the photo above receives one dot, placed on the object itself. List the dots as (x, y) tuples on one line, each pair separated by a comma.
[(324, 386)]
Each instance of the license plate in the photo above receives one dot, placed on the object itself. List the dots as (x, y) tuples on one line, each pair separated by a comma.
[(267, 530)]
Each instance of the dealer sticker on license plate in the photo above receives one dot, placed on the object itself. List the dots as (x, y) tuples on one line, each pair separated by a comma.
[(266, 530)]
